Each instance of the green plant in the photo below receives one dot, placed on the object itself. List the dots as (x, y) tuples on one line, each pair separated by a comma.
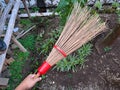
[(43, 76), (98, 5), (65, 7), (115, 4), (25, 22), (56, 33), (16, 69), (107, 49), (75, 59), (28, 42), (48, 43), (34, 9)]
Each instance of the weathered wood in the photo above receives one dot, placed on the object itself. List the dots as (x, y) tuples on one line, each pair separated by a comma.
[(19, 44), (5, 14), (26, 8), (38, 14), (1, 11), (9, 31), (9, 61), (4, 81)]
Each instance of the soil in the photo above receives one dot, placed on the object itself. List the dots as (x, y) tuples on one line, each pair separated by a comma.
[(101, 71)]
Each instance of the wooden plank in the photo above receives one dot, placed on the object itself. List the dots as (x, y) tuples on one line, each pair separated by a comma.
[(38, 14), (5, 14), (21, 47), (9, 32), (4, 81)]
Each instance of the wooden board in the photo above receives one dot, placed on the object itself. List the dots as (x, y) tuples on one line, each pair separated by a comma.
[(4, 81)]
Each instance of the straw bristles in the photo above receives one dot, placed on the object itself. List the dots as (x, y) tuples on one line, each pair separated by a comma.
[(80, 28)]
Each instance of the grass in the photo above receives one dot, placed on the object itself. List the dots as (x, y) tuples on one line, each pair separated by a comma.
[(16, 69), (28, 41), (26, 23)]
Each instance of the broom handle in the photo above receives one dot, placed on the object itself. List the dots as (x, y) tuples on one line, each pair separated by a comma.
[(46, 66), (43, 68)]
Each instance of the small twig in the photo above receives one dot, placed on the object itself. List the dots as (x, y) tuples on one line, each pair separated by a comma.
[(116, 62), (102, 78), (26, 8), (19, 36), (117, 79)]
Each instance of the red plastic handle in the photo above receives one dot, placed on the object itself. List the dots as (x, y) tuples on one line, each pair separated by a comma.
[(43, 68)]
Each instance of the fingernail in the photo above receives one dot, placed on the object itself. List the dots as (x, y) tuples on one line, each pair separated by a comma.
[(40, 78)]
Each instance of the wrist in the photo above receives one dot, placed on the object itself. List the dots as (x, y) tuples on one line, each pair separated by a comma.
[(22, 87)]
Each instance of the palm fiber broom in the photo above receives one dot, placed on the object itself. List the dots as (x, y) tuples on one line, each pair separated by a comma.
[(80, 28)]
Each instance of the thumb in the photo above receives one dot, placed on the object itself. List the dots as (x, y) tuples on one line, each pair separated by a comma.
[(38, 79)]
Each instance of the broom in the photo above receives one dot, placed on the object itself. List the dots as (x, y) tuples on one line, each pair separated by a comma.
[(80, 28)]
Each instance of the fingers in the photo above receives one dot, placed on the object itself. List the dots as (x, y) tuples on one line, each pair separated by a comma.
[(32, 75), (38, 79), (35, 77)]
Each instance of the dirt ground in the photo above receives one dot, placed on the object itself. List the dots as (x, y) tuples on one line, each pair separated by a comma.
[(101, 71)]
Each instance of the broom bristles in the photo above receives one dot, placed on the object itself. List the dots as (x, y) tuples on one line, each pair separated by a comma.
[(80, 28)]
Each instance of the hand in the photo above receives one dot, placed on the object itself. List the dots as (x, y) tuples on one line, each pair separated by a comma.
[(28, 82)]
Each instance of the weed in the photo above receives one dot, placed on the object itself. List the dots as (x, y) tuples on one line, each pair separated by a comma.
[(43, 76), (56, 33), (25, 22), (28, 42), (46, 46), (115, 4), (107, 49), (98, 5), (16, 70), (65, 7), (77, 58), (35, 9)]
